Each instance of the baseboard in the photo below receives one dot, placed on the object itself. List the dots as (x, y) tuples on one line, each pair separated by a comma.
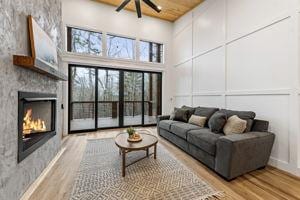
[(284, 166), (42, 176)]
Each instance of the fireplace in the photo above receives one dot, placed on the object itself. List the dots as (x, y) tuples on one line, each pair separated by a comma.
[(36, 121)]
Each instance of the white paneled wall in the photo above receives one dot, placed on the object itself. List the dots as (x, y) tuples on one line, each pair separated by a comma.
[(262, 56), (208, 72), (244, 55), (183, 85), (208, 28)]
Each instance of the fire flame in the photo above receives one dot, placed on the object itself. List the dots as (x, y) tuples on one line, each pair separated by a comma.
[(30, 125)]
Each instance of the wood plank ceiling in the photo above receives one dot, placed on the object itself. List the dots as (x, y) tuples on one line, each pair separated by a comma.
[(171, 9)]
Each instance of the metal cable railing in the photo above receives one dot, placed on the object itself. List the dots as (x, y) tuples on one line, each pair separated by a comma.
[(86, 109)]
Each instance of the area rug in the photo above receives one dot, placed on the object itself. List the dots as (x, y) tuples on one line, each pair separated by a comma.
[(99, 176)]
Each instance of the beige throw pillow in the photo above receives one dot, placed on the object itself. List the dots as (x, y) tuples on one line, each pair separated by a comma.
[(234, 125), (197, 120)]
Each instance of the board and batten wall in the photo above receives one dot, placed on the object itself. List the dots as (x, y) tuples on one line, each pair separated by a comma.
[(244, 55)]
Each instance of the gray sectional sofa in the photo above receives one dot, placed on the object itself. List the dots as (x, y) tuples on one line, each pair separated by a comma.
[(230, 156)]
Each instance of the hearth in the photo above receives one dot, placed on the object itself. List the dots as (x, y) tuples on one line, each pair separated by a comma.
[(36, 121)]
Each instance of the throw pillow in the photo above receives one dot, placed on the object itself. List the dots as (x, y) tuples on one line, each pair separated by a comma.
[(234, 125), (181, 115), (246, 115), (205, 112), (217, 122), (190, 109), (172, 116), (197, 120)]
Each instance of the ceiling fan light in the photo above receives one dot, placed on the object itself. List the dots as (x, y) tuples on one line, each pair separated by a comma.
[(159, 7)]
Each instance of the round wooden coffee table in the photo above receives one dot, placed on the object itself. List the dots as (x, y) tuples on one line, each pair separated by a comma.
[(126, 147)]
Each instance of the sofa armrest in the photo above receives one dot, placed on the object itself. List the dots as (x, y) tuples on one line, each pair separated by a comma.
[(162, 117), (260, 125), (241, 153)]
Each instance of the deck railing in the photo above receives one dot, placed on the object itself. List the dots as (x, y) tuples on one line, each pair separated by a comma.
[(86, 109)]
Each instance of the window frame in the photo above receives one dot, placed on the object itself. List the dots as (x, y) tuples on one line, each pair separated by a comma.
[(104, 51), (135, 41), (70, 40), (161, 56)]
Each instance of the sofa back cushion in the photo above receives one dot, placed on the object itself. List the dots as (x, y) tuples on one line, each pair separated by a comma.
[(245, 115), (205, 112), (217, 121)]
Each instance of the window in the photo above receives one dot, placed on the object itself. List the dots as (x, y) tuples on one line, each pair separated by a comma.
[(83, 41), (120, 47), (151, 52)]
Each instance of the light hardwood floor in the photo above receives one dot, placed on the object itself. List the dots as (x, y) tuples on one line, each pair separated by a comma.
[(269, 183)]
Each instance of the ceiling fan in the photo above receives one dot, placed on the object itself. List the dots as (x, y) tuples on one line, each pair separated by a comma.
[(138, 6)]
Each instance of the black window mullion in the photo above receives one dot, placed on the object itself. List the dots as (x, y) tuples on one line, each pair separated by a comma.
[(96, 98), (121, 98), (158, 53), (151, 52), (69, 39), (143, 99)]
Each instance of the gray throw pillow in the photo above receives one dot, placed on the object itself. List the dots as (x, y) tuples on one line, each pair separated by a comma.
[(181, 115), (216, 122), (190, 109)]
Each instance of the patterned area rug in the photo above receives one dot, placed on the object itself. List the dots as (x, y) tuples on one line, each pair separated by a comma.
[(99, 176)]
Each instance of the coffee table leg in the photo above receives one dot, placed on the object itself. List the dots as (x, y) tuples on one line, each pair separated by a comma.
[(123, 162), (155, 151), (147, 152)]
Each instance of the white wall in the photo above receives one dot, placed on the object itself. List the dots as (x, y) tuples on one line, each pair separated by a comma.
[(101, 17), (244, 55)]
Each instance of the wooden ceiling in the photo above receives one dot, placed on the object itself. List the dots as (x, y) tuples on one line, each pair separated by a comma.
[(171, 9)]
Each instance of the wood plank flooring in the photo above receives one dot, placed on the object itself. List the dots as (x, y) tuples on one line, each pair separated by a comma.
[(269, 183)]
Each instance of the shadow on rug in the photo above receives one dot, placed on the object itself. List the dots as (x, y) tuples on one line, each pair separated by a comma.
[(99, 176)]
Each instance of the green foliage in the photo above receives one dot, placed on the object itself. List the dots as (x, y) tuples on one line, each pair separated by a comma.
[(130, 131)]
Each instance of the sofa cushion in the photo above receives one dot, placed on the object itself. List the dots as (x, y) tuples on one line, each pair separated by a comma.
[(240, 114), (246, 115), (180, 128), (166, 124), (217, 121), (205, 112), (204, 139)]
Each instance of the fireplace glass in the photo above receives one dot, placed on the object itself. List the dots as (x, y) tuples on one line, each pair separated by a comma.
[(36, 121)]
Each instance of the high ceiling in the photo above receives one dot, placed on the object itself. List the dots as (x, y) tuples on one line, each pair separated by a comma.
[(171, 9)]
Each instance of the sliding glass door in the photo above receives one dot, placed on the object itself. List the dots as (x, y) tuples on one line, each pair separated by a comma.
[(152, 97), (110, 98), (133, 98), (82, 98)]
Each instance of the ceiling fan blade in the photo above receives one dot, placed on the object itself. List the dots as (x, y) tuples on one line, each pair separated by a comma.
[(152, 5), (138, 8), (122, 5)]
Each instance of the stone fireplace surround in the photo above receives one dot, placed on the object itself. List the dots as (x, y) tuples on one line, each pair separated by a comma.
[(16, 177)]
